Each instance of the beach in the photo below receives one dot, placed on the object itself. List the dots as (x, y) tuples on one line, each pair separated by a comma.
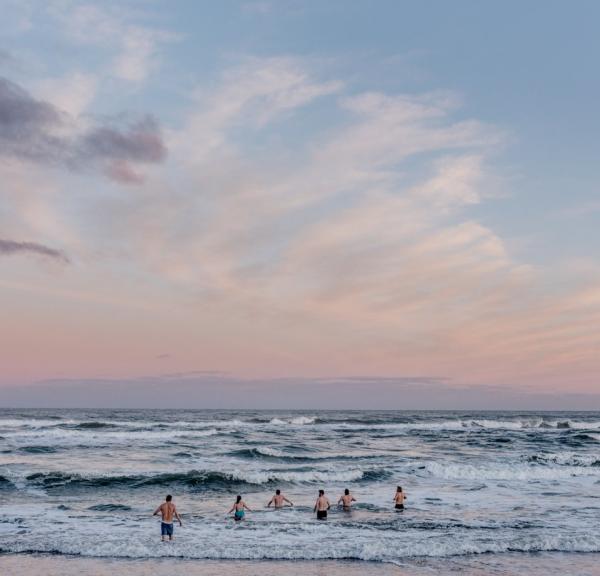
[(509, 565), (487, 492)]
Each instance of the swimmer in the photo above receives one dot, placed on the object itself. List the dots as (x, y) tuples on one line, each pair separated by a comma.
[(167, 510), (399, 498), (279, 500), (321, 506), (238, 509), (346, 500)]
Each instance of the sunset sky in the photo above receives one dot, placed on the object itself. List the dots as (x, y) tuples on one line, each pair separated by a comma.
[(388, 204)]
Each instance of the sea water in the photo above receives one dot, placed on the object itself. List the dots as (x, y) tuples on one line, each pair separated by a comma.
[(498, 484)]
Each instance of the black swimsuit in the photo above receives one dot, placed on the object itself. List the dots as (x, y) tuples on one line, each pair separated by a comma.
[(399, 506), (321, 514)]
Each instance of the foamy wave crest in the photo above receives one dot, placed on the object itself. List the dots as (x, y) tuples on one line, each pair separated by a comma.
[(474, 424), (266, 451), (41, 439), (297, 421), (507, 471), (302, 420), (32, 422), (320, 542), (198, 479), (566, 459)]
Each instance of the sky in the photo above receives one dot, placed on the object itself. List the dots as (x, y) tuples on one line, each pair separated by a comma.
[(300, 204)]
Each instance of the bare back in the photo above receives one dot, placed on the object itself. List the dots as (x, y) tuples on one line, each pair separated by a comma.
[(167, 511), (347, 500), (322, 504)]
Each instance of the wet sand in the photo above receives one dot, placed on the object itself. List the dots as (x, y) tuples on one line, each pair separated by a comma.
[(484, 565)]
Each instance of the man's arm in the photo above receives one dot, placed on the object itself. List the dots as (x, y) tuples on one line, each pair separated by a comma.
[(270, 502), (288, 501), (353, 499), (157, 510), (328, 504), (340, 500), (177, 515)]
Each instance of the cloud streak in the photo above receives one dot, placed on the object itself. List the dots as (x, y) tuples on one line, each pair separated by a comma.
[(31, 129), (10, 247), (135, 48)]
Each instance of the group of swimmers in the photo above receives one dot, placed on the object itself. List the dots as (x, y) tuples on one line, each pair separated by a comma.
[(169, 513)]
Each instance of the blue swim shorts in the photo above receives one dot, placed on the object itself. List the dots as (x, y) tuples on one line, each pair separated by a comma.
[(166, 529)]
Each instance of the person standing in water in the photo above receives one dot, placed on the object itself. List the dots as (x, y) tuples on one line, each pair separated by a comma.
[(238, 509), (167, 510), (346, 500), (321, 506), (279, 500), (399, 498)]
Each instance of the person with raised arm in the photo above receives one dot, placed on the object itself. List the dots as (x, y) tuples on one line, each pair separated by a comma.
[(167, 511), (279, 500)]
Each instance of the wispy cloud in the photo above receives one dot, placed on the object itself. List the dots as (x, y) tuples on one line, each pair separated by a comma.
[(364, 241), (31, 129), (355, 246), (251, 94), (10, 247), (136, 47), (71, 93)]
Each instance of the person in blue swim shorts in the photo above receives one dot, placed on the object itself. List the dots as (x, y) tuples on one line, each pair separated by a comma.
[(168, 512)]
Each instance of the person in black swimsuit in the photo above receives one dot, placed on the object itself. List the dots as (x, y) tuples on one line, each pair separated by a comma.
[(399, 498), (321, 506)]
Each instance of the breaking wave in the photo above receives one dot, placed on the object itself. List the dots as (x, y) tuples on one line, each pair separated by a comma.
[(200, 544), (200, 479)]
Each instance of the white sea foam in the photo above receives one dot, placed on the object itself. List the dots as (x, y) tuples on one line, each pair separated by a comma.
[(255, 540), (474, 424), (566, 459), (497, 471), (277, 422), (302, 420), (266, 451), (297, 421), (289, 476), (140, 426)]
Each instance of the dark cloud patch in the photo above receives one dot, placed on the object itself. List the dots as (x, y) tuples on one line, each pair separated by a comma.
[(31, 129), (9, 247), (141, 142), (123, 172), (26, 125)]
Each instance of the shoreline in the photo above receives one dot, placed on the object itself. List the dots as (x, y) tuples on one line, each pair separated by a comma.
[(530, 564)]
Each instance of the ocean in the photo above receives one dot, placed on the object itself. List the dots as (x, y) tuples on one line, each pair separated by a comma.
[(487, 492)]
